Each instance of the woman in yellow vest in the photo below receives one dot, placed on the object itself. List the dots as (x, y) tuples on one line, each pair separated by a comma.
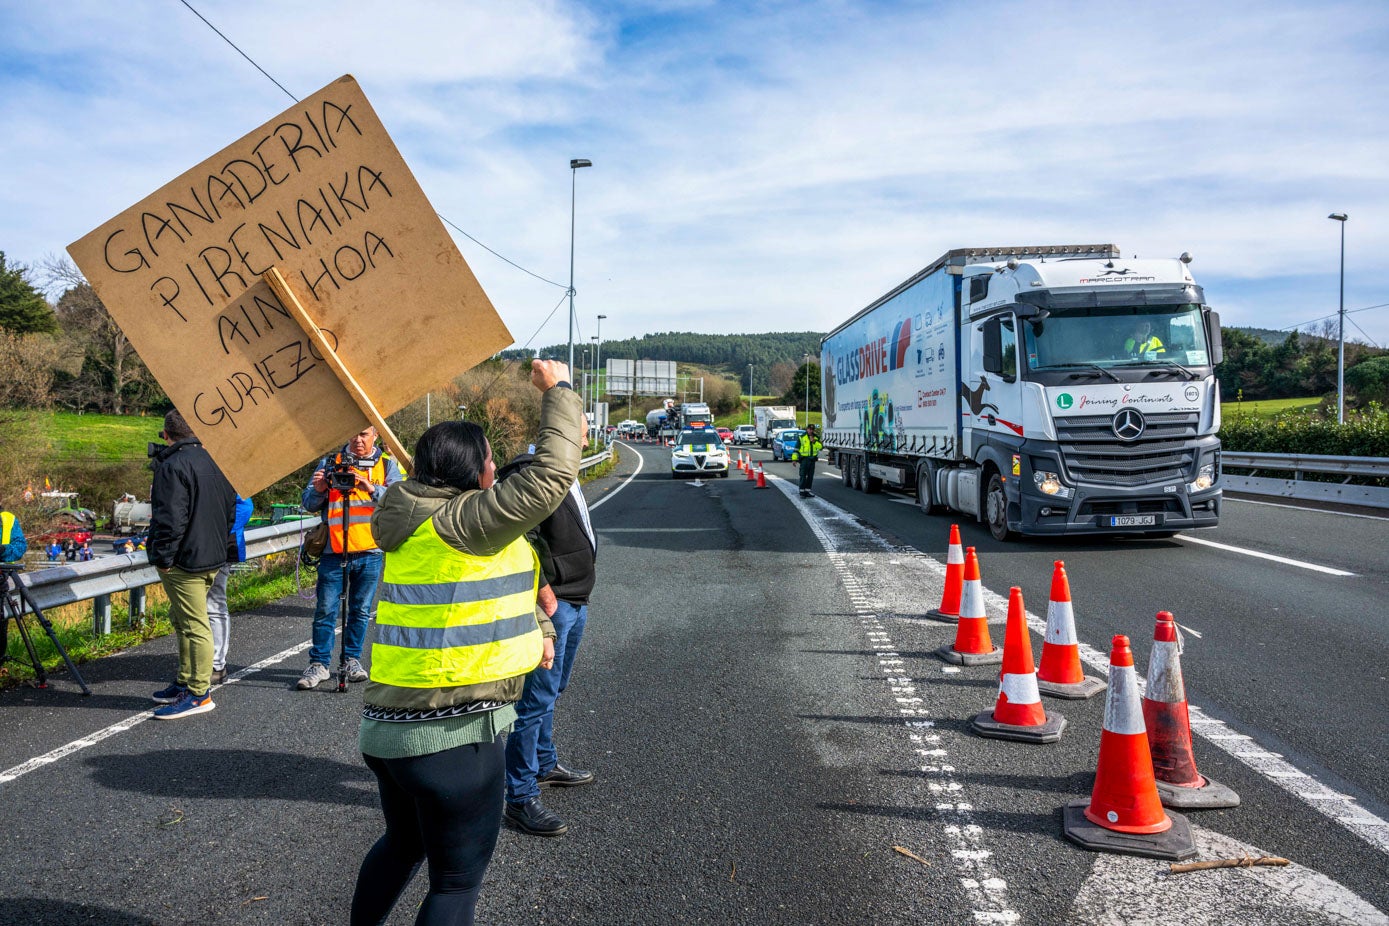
[(457, 631)]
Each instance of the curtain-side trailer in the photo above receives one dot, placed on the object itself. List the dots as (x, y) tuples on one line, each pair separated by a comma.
[(1043, 390)]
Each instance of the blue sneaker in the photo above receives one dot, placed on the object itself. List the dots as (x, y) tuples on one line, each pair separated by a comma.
[(169, 695), (186, 706)]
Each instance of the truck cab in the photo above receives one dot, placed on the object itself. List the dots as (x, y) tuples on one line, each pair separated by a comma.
[(1088, 397)]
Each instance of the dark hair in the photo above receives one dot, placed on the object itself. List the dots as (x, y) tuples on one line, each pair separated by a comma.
[(175, 428), (452, 453)]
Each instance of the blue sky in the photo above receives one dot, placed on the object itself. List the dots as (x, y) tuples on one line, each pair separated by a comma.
[(758, 166)]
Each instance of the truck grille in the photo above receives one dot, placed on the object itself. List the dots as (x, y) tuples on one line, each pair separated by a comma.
[(1093, 454)]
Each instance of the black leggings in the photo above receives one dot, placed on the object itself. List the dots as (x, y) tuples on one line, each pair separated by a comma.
[(446, 807)]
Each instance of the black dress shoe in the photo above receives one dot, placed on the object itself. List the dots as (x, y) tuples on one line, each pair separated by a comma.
[(561, 777), (532, 817)]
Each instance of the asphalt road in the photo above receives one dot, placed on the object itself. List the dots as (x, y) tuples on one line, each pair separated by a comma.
[(756, 695)]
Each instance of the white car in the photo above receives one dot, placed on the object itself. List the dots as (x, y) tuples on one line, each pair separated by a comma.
[(745, 434), (698, 452)]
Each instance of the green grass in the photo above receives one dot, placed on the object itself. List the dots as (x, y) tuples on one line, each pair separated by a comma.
[(272, 579), (1267, 408), (104, 438)]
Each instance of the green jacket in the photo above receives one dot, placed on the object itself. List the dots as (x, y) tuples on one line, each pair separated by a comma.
[(483, 522)]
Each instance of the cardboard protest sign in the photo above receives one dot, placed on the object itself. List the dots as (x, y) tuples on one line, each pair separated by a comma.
[(321, 193)]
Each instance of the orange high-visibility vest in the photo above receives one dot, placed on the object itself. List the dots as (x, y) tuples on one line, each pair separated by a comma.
[(360, 507)]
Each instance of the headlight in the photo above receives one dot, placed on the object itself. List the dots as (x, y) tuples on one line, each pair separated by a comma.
[(1205, 478), (1050, 484)]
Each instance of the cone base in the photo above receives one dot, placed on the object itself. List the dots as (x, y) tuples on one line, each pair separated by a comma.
[(1087, 687), (1049, 732), (936, 614), (950, 655), (1175, 844), (1210, 796)]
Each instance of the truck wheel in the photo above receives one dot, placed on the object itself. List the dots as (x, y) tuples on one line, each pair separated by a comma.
[(996, 508), (924, 498), (857, 470), (846, 473)]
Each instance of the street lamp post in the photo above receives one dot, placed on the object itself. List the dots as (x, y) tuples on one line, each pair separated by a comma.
[(593, 379), (807, 389), (574, 165), (1341, 337), (749, 393), (598, 381)]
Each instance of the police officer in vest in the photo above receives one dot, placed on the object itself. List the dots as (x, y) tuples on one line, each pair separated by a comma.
[(370, 470), (457, 631), (807, 451)]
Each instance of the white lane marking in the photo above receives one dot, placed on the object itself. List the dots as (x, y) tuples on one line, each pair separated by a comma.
[(1335, 806), (1119, 891), (1268, 556), (984, 890), (10, 774), (640, 461), (1342, 514)]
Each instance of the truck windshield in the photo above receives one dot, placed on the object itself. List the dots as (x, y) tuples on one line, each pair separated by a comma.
[(781, 423), (1080, 339)]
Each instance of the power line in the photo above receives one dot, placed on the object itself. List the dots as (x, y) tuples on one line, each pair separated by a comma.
[(296, 99), (1364, 308)]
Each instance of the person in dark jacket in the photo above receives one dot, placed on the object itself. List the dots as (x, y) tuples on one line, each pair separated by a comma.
[(193, 506), (565, 545)]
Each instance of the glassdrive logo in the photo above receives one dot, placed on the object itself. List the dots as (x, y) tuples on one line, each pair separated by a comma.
[(1064, 400)]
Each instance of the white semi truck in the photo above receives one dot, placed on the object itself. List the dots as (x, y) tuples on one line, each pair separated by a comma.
[(770, 418), (1043, 390)]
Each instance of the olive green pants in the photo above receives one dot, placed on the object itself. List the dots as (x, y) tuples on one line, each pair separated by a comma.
[(187, 593)]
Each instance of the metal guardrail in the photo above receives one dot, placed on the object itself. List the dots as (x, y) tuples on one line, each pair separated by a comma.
[(1345, 491), (98, 579)]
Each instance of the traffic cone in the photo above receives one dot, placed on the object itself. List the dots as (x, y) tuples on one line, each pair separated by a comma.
[(761, 478), (1060, 674), (751, 474), (972, 646), (1124, 813), (1018, 713), (949, 610), (1179, 784)]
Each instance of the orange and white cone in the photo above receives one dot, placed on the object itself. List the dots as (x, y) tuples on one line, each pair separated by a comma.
[(949, 610), (1124, 813), (972, 646), (751, 474), (1018, 713), (761, 478), (1165, 716), (1060, 674)]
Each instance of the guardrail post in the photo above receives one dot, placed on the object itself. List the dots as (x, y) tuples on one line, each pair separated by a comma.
[(137, 607), (101, 615)]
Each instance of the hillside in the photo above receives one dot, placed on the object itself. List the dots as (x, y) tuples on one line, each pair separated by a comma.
[(730, 353)]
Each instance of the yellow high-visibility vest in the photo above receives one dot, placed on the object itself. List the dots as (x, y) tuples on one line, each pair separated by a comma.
[(360, 507), (448, 618), (6, 526)]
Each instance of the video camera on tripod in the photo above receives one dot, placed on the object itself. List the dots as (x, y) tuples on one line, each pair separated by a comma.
[(343, 474)]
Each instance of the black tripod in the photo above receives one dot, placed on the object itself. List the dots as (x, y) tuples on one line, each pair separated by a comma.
[(10, 609)]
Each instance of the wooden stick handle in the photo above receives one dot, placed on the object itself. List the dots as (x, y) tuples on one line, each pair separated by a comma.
[(1247, 861), (280, 287)]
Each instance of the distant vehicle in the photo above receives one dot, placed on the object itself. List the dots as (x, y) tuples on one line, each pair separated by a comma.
[(698, 452), (130, 515), (725, 434), (655, 420), (629, 428), (785, 443), (768, 418), (745, 434), (691, 412)]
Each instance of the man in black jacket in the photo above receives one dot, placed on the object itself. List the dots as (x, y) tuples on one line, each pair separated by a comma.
[(192, 509), (567, 549)]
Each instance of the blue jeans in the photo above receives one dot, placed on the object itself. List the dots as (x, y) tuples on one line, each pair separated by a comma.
[(363, 572), (530, 748)]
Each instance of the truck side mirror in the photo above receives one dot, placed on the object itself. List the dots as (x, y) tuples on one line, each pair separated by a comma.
[(993, 347), (1217, 345), (978, 288)]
